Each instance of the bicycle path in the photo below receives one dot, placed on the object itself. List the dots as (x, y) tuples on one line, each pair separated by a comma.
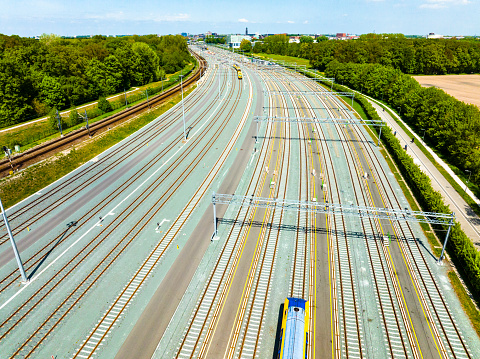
[(467, 218)]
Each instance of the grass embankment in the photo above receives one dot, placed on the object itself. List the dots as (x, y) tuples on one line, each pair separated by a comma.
[(460, 174), (25, 183), (460, 189), (33, 134), (289, 59), (465, 299), (414, 205)]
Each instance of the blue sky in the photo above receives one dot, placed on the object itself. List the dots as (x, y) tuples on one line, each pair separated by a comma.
[(110, 17)]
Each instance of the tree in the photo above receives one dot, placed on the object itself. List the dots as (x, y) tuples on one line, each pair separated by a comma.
[(36, 76), (276, 44), (246, 45), (16, 91), (146, 63), (49, 39), (258, 47), (306, 39), (52, 93)]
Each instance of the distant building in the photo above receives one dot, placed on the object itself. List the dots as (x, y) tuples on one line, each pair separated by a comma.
[(184, 34), (344, 36), (246, 31), (294, 39), (432, 35), (234, 41)]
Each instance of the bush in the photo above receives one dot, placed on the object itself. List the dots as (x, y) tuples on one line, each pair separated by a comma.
[(73, 118), (104, 105), (94, 112)]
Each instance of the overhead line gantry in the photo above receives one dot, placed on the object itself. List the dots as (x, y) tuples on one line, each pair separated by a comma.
[(312, 93), (305, 120), (390, 214)]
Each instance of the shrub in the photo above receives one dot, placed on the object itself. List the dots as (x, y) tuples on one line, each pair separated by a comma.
[(104, 105)]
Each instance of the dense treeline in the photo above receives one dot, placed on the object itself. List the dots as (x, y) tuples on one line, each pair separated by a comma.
[(449, 125), (411, 56), (215, 40), (39, 75)]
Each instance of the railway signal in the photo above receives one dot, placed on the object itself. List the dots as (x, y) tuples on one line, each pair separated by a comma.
[(8, 152)]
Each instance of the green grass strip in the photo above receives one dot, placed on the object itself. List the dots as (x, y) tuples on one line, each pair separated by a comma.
[(27, 182)]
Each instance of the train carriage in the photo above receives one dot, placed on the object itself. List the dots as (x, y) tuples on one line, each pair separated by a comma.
[(294, 332), (239, 72)]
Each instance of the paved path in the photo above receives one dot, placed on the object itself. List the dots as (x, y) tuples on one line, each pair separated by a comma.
[(469, 221)]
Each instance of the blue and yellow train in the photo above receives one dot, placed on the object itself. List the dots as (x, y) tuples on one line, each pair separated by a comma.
[(239, 71), (294, 332)]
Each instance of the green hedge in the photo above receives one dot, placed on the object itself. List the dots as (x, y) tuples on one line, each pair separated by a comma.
[(460, 247)]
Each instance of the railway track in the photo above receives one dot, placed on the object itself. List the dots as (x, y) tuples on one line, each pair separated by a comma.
[(343, 260), (247, 333), (382, 288), (31, 263), (94, 169), (342, 247), (444, 329), (322, 150), (414, 258), (197, 335), (105, 263), (108, 320), (24, 159)]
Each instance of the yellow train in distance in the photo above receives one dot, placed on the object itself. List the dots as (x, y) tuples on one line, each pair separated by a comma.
[(239, 72)]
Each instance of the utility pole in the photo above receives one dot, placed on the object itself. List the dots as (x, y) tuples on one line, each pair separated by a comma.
[(450, 224), (59, 121), (183, 109), (88, 127), (125, 94), (14, 246)]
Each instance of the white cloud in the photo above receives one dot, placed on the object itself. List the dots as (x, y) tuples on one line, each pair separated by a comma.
[(305, 22), (441, 4), (291, 22), (243, 20)]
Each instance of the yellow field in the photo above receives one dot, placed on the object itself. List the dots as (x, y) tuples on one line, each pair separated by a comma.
[(465, 88)]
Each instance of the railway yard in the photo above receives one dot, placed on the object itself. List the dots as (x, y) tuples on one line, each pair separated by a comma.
[(123, 260)]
